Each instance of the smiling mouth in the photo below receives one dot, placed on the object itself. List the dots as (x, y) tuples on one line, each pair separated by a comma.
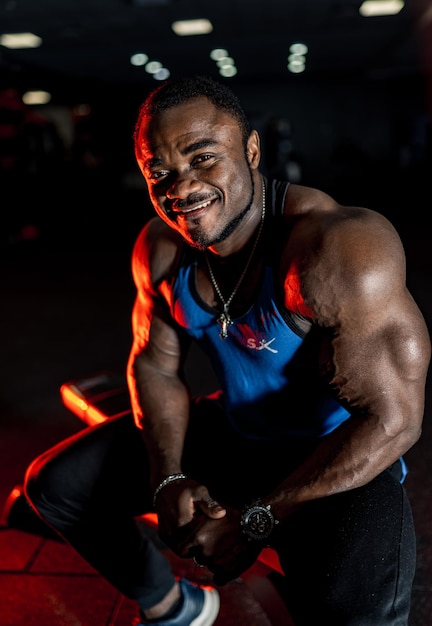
[(178, 208)]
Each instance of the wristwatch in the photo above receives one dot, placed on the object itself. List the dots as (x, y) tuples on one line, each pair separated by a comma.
[(257, 521)]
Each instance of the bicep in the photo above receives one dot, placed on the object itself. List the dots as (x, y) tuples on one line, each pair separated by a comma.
[(377, 358), (153, 329), (156, 340), (154, 363), (377, 349)]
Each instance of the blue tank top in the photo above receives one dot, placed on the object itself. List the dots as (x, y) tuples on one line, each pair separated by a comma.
[(268, 366)]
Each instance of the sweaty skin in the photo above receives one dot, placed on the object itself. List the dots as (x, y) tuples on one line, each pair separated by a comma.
[(342, 267)]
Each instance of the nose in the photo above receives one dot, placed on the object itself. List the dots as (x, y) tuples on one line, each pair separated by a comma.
[(182, 187)]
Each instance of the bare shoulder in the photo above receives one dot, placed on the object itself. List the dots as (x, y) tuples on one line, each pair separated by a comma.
[(154, 253), (341, 254), (326, 231), (344, 268), (321, 208)]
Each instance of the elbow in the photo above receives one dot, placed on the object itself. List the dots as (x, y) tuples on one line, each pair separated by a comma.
[(414, 434), (404, 429), (409, 434)]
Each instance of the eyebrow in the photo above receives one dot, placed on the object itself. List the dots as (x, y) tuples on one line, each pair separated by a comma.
[(193, 147), (198, 145)]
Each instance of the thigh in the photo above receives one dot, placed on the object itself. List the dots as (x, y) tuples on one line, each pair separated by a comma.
[(350, 558), (100, 463)]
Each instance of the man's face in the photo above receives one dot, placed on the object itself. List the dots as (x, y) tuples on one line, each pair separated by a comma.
[(198, 174)]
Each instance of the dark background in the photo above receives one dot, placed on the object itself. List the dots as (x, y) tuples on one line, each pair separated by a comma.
[(357, 124)]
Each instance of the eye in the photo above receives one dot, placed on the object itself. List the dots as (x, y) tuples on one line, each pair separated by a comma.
[(202, 158), (157, 175)]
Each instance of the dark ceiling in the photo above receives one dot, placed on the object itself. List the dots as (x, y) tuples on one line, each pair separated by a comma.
[(87, 43)]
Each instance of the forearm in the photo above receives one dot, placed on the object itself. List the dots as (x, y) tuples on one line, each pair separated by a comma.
[(380, 376), (349, 457), (161, 410)]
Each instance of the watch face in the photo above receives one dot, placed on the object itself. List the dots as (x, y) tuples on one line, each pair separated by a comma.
[(258, 522)]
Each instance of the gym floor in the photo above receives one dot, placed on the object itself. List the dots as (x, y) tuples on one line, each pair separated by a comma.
[(65, 314)]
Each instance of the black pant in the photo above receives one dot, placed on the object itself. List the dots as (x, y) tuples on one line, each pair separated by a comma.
[(349, 559)]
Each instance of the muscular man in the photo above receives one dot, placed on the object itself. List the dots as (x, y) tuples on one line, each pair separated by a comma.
[(320, 354)]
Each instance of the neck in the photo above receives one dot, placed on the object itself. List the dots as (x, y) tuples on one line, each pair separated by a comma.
[(239, 241), (225, 318)]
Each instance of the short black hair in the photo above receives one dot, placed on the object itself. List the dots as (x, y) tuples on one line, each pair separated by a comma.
[(173, 92)]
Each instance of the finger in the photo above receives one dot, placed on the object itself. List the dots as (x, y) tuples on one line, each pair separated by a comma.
[(211, 508), (181, 540)]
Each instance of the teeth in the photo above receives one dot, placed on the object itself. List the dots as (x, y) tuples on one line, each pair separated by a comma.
[(200, 206)]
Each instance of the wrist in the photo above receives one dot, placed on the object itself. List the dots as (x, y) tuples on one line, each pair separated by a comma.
[(258, 522), (166, 481)]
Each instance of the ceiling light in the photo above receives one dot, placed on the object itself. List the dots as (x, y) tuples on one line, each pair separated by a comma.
[(20, 40), (36, 97), (228, 71), (297, 58), (218, 53), (162, 74), (138, 59), (192, 27), (298, 48), (372, 8), (225, 62), (296, 68), (153, 66)]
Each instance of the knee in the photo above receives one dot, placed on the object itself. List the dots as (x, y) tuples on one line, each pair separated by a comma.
[(32, 485), (41, 486)]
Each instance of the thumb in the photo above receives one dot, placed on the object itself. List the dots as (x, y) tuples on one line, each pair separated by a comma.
[(211, 508)]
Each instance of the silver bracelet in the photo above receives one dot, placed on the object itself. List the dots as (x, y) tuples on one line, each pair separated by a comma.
[(166, 481)]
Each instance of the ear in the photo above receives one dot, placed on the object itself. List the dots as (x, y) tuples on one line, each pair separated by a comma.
[(253, 149)]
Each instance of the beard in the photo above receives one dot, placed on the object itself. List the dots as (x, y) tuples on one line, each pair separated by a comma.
[(198, 239)]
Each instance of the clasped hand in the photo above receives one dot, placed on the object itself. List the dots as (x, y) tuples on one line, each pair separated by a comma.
[(193, 525)]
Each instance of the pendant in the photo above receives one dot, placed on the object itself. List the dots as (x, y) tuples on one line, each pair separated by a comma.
[(224, 320)]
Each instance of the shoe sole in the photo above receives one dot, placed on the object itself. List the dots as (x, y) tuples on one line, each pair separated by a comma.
[(210, 609)]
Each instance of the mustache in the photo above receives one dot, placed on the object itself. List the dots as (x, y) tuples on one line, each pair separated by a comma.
[(194, 198)]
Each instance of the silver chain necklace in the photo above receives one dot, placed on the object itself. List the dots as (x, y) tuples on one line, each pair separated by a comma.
[(224, 319)]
